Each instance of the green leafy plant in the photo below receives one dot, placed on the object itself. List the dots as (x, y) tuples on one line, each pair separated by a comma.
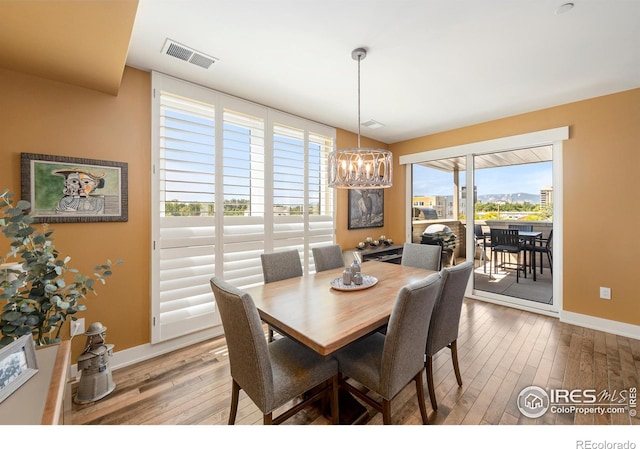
[(34, 279)]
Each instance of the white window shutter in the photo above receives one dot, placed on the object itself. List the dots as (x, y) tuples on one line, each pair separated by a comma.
[(232, 180)]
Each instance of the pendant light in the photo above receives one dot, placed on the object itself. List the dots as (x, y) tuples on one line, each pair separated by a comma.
[(360, 168)]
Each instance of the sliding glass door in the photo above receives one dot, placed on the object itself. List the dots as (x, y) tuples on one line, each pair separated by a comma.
[(516, 183), (514, 189)]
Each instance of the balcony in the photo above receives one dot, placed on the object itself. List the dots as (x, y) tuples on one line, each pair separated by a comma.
[(504, 281)]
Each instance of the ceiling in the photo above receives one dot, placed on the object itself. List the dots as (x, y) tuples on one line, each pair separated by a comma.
[(432, 65)]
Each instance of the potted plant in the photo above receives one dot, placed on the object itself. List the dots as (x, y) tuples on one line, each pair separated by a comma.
[(41, 290)]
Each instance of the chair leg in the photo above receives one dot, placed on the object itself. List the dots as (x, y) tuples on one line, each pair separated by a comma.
[(483, 257), (235, 393), (454, 357), (541, 263), (270, 339), (386, 412), (335, 413), (432, 391), (420, 395)]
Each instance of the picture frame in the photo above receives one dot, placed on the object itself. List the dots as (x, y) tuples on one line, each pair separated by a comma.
[(74, 190), (18, 364), (366, 208)]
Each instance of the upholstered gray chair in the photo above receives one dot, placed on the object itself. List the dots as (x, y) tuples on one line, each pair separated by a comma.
[(272, 374), (421, 256), (385, 364), (277, 266), (280, 265), (445, 320), (327, 257)]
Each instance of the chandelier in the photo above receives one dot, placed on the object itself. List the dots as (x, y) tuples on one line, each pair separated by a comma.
[(360, 168)]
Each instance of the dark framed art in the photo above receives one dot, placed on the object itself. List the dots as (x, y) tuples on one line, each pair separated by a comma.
[(366, 208), (74, 190), (18, 364)]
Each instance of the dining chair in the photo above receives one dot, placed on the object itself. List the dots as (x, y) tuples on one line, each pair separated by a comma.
[(271, 374), (327, 257), (521, 227), (277, 266), (481, 242), (445, 321), (526, 245), (421, 256), (386, 363), (544, 246), (507, 242)]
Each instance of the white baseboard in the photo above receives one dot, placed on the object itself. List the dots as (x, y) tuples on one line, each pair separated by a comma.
[(601, 324), (129, 356)]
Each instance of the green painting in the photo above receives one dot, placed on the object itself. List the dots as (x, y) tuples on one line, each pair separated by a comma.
[(64, 189)]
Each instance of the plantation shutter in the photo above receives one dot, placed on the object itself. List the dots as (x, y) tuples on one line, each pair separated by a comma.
[(186, 243), (302, 202), (231, 180), (244, 199), (320, 197)]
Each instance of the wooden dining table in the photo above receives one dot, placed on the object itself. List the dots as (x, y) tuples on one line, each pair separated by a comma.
[(310, 310)]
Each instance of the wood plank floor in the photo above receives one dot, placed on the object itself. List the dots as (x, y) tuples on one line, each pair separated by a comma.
[(501, 350)]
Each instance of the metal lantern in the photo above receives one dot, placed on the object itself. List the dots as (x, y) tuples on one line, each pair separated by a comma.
[(96, 381)]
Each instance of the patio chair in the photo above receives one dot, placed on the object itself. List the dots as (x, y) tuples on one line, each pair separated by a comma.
[(545, 247), (506, 242), (481, 241)]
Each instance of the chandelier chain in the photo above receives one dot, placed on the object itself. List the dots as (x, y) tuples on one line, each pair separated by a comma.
[(359, 59)]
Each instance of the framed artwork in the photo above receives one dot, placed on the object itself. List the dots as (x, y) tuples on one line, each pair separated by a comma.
[(366, 208), (74, 190), (18, 364)]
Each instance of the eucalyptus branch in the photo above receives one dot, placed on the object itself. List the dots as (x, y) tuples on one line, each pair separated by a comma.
[(38, 298)]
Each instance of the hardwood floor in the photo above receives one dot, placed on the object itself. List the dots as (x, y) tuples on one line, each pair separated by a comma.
[(500, 350)]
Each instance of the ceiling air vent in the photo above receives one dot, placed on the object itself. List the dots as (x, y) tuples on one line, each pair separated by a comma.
[(372, 124), (185, 53)]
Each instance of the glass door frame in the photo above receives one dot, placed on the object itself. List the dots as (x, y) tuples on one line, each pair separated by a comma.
[(553, 137)]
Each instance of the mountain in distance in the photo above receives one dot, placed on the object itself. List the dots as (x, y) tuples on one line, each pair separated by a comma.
[(510, 198)]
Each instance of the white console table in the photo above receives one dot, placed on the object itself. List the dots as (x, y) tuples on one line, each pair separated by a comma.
[(45, 397)]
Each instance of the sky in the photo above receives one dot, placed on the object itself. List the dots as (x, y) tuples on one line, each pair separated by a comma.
[(529, 178)]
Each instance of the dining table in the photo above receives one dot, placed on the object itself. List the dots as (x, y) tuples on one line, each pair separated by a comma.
[(324, 314)]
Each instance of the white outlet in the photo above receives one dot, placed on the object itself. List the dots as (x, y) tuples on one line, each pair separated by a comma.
[(77, 327), (605, 293)]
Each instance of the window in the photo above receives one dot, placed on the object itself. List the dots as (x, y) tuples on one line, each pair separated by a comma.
[(231, 180)]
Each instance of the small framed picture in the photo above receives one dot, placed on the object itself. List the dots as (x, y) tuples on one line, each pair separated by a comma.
[(74, 190), (18, 364), (366, 208)]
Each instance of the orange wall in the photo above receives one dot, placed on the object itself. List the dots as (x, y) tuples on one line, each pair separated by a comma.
[(601, 187), (41, 116), (348, 239)]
